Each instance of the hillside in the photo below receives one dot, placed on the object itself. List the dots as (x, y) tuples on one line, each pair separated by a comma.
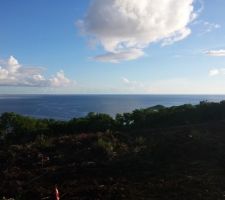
[(180, 162)]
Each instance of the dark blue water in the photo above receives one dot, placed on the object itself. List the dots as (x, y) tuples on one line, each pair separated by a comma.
[(69, 106)]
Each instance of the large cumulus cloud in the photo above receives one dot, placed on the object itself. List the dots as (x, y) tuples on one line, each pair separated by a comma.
[(124, 27)]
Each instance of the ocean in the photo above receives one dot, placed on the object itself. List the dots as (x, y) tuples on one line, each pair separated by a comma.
[(65, 107)]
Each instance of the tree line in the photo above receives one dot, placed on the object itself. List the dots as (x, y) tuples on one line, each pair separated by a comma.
[(15, 128)]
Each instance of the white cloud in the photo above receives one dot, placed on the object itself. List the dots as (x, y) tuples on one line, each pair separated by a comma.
[(60, 80), (125, 80), (13, 65), (14, 74), (131, 54), (216, 72), (206, 26), (182, 34), (216, 53), (131, 25), (209, 27)]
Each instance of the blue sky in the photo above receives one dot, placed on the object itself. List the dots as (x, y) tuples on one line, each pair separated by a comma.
[(112, 46)]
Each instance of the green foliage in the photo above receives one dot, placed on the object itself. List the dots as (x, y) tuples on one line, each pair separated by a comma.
[(42, 141), (15, 128), (139, 144), (93, 122), (159, 116), (99, 122), (107, 145)]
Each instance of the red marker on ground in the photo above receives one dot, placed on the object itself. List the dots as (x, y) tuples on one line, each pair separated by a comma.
[(56, 193)]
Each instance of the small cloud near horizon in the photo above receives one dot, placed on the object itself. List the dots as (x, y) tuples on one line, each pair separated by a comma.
[(216, 53), (216, 72), (12, 73)]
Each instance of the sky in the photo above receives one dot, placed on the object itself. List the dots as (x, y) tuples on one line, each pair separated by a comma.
[(112, 47)]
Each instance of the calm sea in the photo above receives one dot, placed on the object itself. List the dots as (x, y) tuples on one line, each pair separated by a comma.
[(68, 106)]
